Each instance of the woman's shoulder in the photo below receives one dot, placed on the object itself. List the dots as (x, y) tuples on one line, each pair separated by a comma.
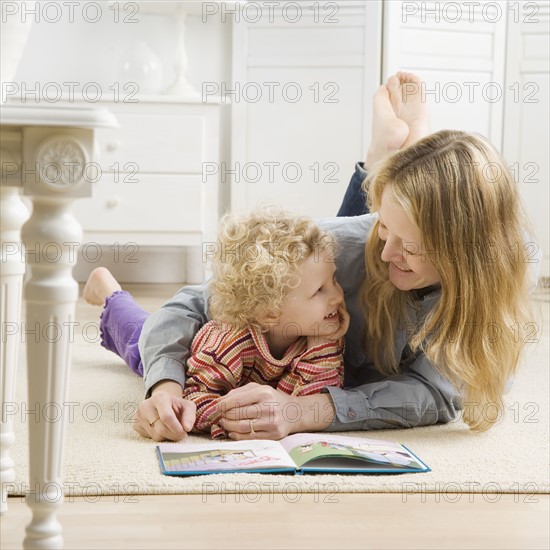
[(353, 229), (351, 235)]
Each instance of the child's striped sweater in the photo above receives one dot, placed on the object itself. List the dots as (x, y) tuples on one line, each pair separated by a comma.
[(224, 358)]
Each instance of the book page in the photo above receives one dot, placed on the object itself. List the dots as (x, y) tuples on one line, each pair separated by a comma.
[(223, 456), (307, 449)]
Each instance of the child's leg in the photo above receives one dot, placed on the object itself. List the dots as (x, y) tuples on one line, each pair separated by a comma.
[(99, 286), (121, 320)]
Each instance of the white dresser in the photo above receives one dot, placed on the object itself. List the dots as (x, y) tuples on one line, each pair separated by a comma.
[(149, 189)]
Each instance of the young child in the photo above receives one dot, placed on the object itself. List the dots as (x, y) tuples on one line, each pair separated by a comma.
[(278, 314)]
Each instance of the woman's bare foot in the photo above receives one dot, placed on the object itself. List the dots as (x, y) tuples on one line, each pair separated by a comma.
[(409, 105), (99, 286), (388, 131)]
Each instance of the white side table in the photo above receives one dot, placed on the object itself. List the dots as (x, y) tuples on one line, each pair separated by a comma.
[(44, 152)]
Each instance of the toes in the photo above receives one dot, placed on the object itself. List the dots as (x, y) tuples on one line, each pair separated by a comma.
[(394, 88), (382, 102), (394, 84), (381, 93), (404, 76)]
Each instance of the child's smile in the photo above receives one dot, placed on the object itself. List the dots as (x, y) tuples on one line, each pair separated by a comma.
[(311, 308)]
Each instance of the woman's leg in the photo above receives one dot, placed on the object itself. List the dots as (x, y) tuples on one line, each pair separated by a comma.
[(121, 320), (409, 104), (355, 201), (399, 118)]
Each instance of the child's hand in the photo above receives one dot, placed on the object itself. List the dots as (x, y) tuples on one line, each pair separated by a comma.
[(165, 415)]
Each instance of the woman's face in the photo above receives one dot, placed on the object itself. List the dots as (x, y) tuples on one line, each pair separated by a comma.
[(410, 265)]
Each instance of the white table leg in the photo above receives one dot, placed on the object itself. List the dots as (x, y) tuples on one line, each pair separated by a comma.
[(13, 214), (50, 296)]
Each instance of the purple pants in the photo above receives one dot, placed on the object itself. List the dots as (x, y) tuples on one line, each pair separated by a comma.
[(120, 326)]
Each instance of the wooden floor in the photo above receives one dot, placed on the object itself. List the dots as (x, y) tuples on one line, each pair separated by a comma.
[(316, 521)]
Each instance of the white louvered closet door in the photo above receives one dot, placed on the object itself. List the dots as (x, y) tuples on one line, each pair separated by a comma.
[(301, 111), (460, 54)]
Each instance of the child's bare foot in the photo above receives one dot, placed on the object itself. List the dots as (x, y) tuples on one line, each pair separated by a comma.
[(405, 91), (99, 286), (388, 131)]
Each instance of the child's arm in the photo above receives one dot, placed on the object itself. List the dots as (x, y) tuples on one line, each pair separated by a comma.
[(211, 373), (317, 368), (208, 414)]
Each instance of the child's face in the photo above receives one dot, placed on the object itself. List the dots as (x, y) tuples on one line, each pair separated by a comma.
[(310, 309)]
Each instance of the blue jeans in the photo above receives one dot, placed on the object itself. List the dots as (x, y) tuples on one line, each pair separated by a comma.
[(355, 201)]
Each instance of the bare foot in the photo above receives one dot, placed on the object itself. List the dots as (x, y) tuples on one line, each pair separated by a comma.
[(388, 131), (409, 105), (99, 286)]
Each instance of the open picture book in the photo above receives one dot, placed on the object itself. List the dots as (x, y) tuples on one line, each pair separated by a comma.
[(299, 454)]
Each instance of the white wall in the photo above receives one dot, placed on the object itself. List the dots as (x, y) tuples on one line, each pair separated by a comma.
[(329, 64), (92, 52), (85, 52), (444, 52)]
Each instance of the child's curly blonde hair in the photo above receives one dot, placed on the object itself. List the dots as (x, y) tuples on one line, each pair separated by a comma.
[(256, 261)]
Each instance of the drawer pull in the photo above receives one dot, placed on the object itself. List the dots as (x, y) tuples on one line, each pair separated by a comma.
[(113, 202)]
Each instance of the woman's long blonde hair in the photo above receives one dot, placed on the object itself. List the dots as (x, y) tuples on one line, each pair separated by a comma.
[(459, 192)]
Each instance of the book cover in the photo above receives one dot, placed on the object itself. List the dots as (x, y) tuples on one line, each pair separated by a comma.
[(299, 454)]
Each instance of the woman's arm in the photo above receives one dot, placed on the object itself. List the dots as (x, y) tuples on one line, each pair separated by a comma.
[(272, 413), (165, 415), (419, 397), (167, 334), (164, 346)]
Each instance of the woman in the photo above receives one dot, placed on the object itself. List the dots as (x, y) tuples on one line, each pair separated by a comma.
[(432, 284)]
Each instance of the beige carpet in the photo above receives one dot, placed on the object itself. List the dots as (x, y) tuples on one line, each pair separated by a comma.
[(103, 455)]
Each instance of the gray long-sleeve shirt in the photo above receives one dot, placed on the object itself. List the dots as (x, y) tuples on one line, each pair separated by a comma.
[(419, 396)]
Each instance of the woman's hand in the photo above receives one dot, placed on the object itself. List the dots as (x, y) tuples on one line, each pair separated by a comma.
[(165, 415), (257, 411)]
